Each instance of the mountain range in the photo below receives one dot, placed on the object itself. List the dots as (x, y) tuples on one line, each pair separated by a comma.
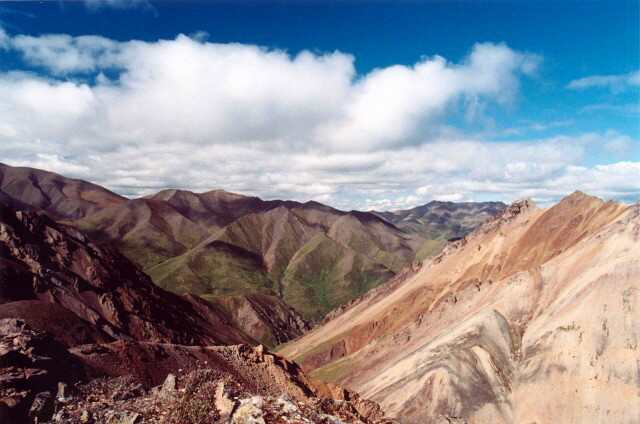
[(72, 294), (224, 246)]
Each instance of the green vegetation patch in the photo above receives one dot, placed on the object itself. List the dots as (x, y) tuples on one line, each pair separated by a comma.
[(334, 371), (213, 270), (325, 274), (430, 248)]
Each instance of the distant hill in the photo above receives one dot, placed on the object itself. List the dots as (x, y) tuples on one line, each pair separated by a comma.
[(223, 244), (440, 221)]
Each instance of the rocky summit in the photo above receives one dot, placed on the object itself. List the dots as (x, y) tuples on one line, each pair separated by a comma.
[(128, 382)]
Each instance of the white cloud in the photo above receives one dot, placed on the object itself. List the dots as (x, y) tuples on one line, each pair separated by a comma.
[(625, 109), (615, 83), (4, 39), (62, 53), (618, 143), (142, 116), (200, 92), (390, 104), (53, 161), (119, 4)]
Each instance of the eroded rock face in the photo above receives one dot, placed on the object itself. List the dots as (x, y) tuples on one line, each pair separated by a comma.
[(267, 319), (52, 263), (531, 318)]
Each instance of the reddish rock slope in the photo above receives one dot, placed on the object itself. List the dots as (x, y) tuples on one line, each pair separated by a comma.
[(45, 261)]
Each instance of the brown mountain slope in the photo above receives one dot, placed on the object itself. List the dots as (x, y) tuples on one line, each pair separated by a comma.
[(53, 263), (63, 302), (531, 318), (150, 230), (60, 197), (147, 231), (312, 256)]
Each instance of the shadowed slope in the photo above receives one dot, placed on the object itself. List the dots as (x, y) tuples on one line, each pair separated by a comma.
[(50, 262), (146, 231)]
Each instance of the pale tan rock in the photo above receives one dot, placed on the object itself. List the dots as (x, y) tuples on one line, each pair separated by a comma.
[(531, 318), (85, 418), (224, 403), (249, 411), (168, 388)]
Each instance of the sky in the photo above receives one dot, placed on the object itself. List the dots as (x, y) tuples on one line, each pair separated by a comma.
[(357, 104)]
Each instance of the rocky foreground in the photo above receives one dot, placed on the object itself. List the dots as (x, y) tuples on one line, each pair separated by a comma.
[(127, 382)]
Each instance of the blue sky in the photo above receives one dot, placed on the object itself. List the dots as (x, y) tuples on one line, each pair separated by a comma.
[(512, 99)]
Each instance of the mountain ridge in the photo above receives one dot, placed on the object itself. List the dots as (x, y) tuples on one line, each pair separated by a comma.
[(465, 336)]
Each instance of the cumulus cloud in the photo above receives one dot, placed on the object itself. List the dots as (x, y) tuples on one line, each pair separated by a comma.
[(615, 83), (193, 91), (389, 104), (141, 116)]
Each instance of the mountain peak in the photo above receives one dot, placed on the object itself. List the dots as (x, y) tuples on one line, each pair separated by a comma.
[(578, 195), (579, 200), (169, 193)]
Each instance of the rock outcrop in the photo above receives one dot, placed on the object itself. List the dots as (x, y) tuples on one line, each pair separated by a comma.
[(267, 319)]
